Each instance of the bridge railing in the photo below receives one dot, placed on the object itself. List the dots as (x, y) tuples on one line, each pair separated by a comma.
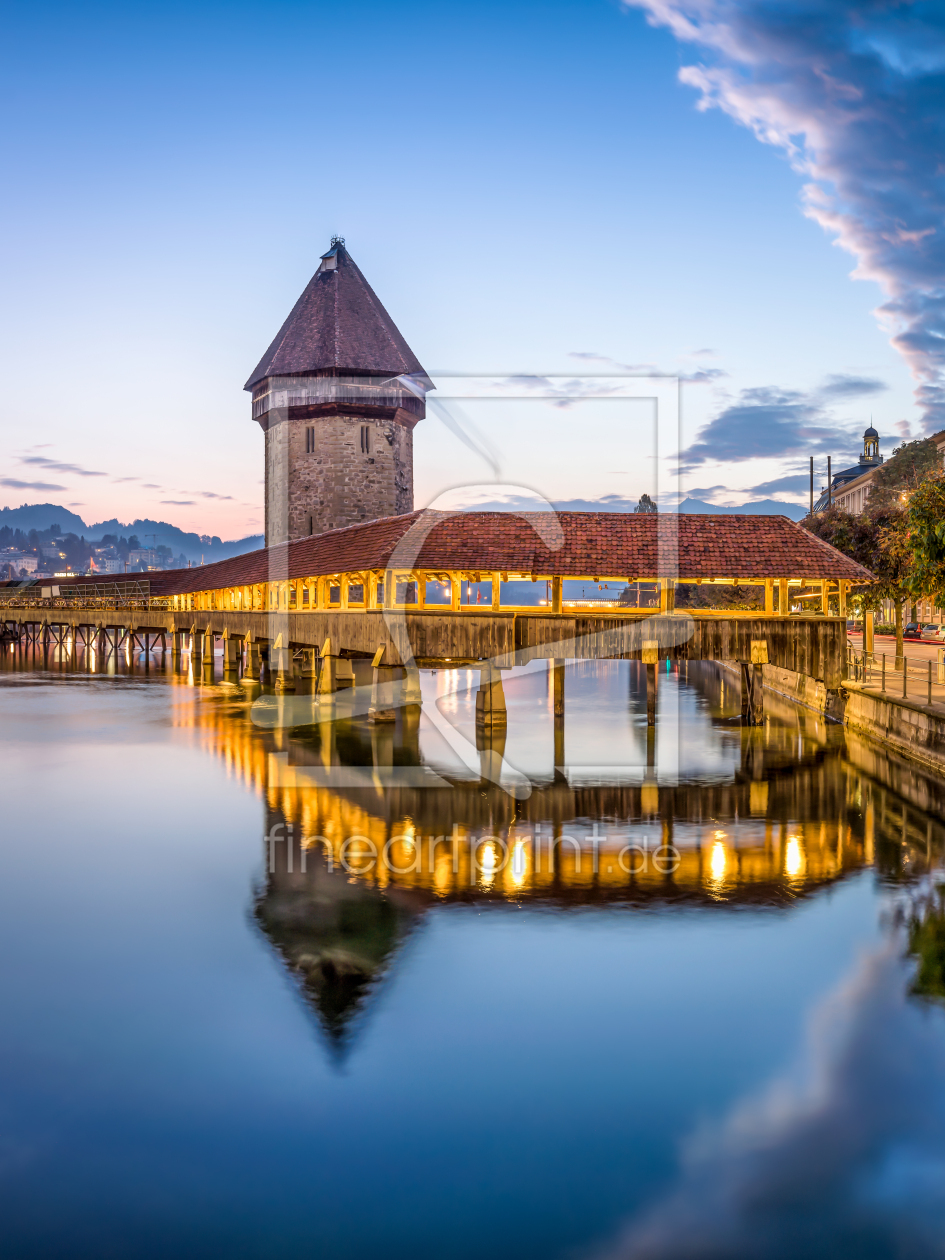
[(24, 603)]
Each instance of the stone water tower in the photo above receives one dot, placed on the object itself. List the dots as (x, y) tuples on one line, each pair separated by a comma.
[(337, 395)]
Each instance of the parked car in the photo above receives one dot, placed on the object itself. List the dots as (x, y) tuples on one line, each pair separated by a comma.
[(932, 631), (912, 631)]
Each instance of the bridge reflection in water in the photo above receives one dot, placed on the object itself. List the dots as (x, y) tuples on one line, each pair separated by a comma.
[(351, 869), (705, 814)]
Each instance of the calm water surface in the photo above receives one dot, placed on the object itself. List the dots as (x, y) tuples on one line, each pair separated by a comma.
[(674, 995)]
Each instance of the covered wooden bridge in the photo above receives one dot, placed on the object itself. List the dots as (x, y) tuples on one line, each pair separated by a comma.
[(440, 588)]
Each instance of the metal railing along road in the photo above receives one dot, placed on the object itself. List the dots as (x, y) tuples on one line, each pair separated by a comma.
[(898, 677)]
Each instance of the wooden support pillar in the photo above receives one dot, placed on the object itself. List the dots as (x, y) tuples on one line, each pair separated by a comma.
[(650, 655), (868, 633), (784, 597), (557, 685), (823, 596), (456, 592), (769, 596), (497, 598), (664, 595), (556, 598), (842, 597), (209, 643), (490, 697)]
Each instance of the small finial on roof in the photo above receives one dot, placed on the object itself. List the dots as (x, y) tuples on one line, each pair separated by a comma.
[(337, 240)]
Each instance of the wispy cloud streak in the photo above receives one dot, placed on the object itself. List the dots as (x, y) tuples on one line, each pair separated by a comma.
[(854, 92)]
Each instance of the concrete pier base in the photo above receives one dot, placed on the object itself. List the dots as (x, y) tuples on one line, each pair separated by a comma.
[(282, 667), (491, 712), (382, 695), (232, 653)]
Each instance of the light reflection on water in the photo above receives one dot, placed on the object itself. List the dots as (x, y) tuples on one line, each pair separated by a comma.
[(255, 1010)]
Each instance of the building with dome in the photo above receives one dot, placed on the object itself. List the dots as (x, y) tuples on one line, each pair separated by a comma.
[(850, 488)]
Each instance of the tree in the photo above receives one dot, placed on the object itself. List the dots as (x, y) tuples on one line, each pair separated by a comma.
[(646, 504), (925, 533), (902, 474), (878, 540)]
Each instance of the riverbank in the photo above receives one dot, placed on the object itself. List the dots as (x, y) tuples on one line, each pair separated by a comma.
[(913, 729)]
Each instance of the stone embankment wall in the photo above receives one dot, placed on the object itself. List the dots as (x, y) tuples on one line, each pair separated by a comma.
[(915, 730)]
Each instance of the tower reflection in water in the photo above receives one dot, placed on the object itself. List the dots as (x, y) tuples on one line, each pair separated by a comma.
[(743, 817)]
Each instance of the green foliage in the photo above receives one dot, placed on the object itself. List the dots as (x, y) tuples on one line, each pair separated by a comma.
[(925, 523), (877, 540), (902, 473)]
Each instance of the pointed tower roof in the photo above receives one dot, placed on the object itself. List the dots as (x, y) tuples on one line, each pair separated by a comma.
[(338, 323)]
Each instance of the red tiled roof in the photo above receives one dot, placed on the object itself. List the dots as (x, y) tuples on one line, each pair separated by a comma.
[(338, 322), (572, 544)]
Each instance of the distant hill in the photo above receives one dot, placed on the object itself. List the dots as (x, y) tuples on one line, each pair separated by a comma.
[(161, 534), (42, 516), (149, 533), (760, 507)]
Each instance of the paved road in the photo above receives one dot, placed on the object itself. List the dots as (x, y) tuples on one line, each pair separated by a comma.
[(885, 644)]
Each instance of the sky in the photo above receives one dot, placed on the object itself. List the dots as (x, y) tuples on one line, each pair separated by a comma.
[(744, 193)]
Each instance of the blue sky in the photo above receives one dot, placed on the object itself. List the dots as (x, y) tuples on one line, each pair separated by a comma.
[(520, 183)]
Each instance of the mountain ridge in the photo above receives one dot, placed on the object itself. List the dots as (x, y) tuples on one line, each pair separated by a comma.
[(150, 533)]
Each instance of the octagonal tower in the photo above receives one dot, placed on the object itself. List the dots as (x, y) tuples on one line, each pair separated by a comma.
[(337, 395)]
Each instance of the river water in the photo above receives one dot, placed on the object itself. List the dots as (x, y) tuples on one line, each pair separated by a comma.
[(277, 985)]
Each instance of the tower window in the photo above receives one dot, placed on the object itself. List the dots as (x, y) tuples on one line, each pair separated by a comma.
[(365, 439), (310, 440)]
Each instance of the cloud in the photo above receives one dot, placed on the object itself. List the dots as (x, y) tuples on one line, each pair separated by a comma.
[(591, 356), (149, 485), (841, 1156), (765, 422), (852, 91), (704, 492), (701, 376), (793, 483), (527, 503), (178, 502), (837, 387), (12, 484), (55, 465), (904, 429), (119, 480)]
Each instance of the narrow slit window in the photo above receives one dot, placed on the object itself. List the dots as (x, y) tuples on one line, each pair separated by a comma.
[(310, 440), (365, 439)]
